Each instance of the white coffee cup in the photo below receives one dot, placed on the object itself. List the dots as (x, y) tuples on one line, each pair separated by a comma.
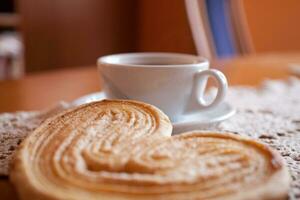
[(173, 82)]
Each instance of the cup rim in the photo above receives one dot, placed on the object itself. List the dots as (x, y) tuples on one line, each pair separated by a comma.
[(114, 60)]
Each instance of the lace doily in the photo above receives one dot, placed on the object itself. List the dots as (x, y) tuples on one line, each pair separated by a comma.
[(271, 114), (14, 127)]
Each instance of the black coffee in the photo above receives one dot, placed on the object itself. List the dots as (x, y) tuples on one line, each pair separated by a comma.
[(159, 63)]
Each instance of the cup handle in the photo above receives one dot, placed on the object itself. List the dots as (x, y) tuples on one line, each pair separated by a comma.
[(197, 100)]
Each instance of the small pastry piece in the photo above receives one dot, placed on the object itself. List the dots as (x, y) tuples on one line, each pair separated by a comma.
[(123, 150)]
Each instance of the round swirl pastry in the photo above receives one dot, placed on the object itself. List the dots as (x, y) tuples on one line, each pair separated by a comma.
[(123, 150)]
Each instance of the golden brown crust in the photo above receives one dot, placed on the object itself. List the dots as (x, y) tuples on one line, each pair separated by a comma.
[(117, 149)]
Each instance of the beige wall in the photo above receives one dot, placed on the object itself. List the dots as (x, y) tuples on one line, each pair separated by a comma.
[(274, 24), (163, 26), (62, 33)]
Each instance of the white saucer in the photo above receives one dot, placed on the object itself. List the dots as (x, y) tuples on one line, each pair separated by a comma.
[(197, 120)]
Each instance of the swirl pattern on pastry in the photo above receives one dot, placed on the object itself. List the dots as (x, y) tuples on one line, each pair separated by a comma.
[(117, 149)]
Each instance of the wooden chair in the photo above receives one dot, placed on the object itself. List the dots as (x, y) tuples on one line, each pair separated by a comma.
[(224, 28), (219, 27)]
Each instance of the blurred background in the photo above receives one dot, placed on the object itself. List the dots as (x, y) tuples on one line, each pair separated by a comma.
[(50, 34)]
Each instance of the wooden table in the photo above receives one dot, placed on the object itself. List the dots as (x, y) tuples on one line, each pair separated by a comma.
[(37, 91)]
